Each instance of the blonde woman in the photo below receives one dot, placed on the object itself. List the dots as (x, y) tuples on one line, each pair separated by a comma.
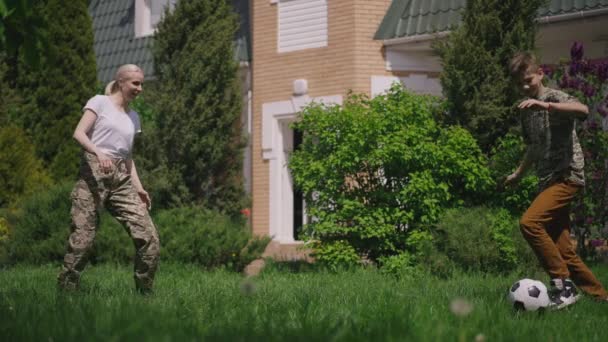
[(108, 177)]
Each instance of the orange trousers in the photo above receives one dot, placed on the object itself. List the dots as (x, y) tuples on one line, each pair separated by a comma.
[(546, 227)]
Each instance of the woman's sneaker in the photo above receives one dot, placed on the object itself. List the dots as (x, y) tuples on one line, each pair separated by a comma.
[(562, 293)]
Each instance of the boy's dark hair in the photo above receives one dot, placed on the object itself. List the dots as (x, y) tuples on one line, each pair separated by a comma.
[(522, 62)]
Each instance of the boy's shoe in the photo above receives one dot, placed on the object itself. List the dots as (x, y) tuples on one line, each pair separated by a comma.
[(562, 294)]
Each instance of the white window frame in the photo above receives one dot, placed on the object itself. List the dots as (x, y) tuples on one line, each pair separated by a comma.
[(143, 18)]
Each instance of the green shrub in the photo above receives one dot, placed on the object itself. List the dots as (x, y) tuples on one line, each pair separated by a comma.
[(335, 255), (374, 170), (188, 235), (41, 226), (400, 265), (506, 157), (483, 239), (206, 238), (21, 172), (4, 238)]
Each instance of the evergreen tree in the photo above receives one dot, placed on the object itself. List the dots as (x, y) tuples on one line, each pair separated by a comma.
[(199, 101), (55, 91), (475, 59)]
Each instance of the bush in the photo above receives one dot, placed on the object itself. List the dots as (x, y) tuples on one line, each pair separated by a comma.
[(4, 236), (373, 171), (207, 238), (506, 157), (483, 239), (21, 171), (188, 235), (41, 227)]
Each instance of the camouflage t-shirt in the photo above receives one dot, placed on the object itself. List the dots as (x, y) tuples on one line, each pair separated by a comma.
[(552, 140)]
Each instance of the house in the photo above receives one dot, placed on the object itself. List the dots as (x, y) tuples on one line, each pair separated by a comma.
[(318, 50)]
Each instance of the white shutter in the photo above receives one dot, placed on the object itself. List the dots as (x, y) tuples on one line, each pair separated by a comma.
[(302, 24)]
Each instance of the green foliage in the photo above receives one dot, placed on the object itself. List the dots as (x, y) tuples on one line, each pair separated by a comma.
[(188, 235), (336, 255), (21, 28), (21, 173), (207, 238), (163, 182), (4, 238), (373, 170), (55, 91), (400, 265), (475, 59), (506, 157), (200, 99), (41, 227), (483, 239), (588, 82)]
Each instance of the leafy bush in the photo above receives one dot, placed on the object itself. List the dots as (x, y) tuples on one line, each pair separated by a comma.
[(21, 172), (189, 235), (41, 226), (587, 80), (372, 171), (336, 255), (483, 239), (206, 238), (506, 157), (400, 265), (4, 236)]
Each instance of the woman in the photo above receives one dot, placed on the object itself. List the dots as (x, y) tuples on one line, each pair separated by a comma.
[(108, 177)]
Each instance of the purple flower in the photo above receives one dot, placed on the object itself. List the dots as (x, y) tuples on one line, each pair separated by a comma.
[(547, 69), (596, 242), (575, 67), (603, 110), (588, 90), (589, 220), (577, 51), (601, 70)]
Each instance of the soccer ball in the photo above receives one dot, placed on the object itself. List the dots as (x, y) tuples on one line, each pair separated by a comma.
[(529, 295)]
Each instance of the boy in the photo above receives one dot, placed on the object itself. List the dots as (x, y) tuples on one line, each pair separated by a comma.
[(548, 119)]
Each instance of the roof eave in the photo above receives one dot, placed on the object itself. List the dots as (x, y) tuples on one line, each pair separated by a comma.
[(540, 20)]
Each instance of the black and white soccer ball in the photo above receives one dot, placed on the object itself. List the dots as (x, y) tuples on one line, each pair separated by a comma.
[(529, 295)]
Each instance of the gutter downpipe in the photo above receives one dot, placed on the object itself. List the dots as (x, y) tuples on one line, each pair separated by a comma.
[(541, 20)]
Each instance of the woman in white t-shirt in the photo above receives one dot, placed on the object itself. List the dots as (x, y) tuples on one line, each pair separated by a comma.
[(108, 177)]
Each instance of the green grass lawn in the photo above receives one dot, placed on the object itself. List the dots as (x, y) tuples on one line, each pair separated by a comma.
[(190, 304)]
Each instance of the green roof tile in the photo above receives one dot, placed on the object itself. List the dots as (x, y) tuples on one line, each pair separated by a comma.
[(406, 18), (115, 43)]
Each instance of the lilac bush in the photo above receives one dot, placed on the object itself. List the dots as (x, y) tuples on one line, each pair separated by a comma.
[(586, 79)]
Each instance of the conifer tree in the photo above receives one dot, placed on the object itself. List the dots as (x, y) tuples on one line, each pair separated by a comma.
[(55, 90), (199, 101), (475, 59)]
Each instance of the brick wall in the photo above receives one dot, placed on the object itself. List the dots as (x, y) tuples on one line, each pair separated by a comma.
[(350, 58)]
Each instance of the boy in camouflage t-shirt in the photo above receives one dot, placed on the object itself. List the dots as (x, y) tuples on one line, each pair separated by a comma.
[(548, 119)]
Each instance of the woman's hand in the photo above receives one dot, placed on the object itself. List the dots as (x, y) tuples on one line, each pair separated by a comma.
[(105, 162), (145, 198)]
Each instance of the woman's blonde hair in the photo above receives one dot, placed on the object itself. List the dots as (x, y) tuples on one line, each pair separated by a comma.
[(121, 74)]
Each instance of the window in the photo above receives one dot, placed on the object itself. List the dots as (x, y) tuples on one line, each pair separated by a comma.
[(302, 24), (148, 13)]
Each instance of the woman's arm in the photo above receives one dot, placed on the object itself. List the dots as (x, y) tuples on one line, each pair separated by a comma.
[(80, 134), (137, 184)]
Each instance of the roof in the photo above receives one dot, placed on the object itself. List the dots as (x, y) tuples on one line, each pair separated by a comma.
[(406, 18), (115, 42)]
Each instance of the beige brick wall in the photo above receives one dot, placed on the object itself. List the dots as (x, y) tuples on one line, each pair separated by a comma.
[(350, 58)]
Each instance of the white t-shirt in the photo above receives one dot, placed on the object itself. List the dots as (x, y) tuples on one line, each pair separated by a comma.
[(114, 130)]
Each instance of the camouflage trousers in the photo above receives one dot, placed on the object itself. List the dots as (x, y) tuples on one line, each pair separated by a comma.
[(116, 193)]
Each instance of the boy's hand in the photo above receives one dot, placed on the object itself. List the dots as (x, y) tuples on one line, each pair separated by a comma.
[(512, 179), (532, 103)]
